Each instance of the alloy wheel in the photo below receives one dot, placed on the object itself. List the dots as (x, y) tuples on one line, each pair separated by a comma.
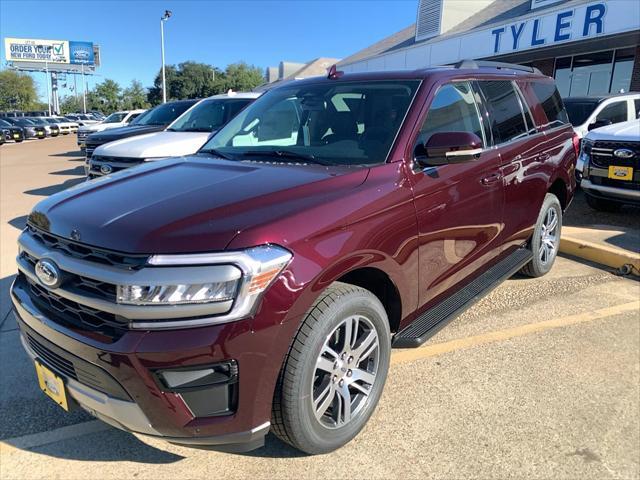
[(549, 236), (345, 372)]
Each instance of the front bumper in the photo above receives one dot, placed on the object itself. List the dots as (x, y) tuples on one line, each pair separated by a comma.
[(616, 194), (129, 362)]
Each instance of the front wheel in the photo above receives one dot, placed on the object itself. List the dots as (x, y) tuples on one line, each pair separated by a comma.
[(545, 242), (333, 376)]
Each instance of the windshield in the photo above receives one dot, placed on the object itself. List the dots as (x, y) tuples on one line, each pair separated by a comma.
[(579, 111), (37, 121), (23, 122), (4, 124), (338, 123), (209, 115), (162, 114), (115, 118)]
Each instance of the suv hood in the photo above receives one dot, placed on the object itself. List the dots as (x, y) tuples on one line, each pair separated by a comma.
[(155, 145), (192, 204), (623, 132), (123, 132)]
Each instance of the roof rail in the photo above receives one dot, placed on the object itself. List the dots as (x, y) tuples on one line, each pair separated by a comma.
[(474, 64)]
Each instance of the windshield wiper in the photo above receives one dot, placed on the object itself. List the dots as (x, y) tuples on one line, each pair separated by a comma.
[(216, 153), (285, 155)]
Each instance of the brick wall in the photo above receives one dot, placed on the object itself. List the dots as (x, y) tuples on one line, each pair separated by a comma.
[(546, 65), (635, 75)]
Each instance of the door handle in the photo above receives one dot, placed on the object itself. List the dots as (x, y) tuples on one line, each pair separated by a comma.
[(490, 179), (543, 157)]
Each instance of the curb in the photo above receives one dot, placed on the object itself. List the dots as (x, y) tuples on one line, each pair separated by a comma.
[(621, 260)]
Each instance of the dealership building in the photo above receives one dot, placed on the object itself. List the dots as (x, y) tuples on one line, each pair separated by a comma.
[(590, 47)]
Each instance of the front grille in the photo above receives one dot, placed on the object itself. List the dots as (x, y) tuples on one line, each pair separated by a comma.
[(116, 163), (602, 154), (58, 364), (82, 285), (70, 366), (82, 135), (85, 252), (72, 314)]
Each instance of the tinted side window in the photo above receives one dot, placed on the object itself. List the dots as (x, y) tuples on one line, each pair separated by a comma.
[(453, 110), (615, 112), (636, 107), (506, 116), (549, 98)]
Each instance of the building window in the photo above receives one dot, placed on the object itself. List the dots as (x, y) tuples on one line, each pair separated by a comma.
[(598, 73)]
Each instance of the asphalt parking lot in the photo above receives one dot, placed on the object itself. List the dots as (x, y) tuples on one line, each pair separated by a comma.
[(541, 379)]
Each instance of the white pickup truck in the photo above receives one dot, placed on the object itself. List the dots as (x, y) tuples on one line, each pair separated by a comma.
[(611, 166)]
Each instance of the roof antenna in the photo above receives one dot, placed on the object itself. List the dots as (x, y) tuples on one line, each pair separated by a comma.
[(334, 72)]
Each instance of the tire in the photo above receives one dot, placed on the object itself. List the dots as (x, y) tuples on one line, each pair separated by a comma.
[(603, 205), (542, 261), (303, 381)]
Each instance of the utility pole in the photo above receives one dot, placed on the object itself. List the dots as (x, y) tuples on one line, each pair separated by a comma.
[(84, 91), (46, 72), (164, 18)]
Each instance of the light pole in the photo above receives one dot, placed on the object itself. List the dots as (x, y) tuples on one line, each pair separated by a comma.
[(165, 17)]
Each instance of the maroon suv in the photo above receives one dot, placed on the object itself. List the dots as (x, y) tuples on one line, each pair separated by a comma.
[(261, 283)]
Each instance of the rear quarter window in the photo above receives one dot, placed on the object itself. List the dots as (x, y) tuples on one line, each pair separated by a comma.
[(551, 103)]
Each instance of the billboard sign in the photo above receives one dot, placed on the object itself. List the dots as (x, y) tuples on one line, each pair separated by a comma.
[(55, 52), (81, 53)]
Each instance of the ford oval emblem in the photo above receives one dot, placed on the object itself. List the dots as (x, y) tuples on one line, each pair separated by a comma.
[(48, 273), (624, 153), (106, 169)]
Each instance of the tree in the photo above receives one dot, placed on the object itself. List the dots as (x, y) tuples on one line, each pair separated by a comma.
[(134, 97), (17, 91), (105, 97), (155, 93), (241, 77), (71, 104), (195, 80)]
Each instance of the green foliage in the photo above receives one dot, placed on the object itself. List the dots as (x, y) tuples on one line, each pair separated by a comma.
[(107, 94), (199, 80), (241, 77), (17, 91), (134, 97), (71, 104)]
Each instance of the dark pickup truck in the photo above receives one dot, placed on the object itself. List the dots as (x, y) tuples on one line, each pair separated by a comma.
[(261, 283)]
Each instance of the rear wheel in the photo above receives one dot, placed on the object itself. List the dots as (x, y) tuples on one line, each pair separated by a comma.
[(603, 205), (335, 371), (546, 238)]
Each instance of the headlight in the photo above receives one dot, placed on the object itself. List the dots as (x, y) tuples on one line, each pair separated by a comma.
[(238, 280), (177, 294), (586, 146)]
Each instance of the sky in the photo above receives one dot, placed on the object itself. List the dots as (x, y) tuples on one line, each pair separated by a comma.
[(261, 33)]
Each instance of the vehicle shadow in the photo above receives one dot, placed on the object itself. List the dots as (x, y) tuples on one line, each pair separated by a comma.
[(79, 170), (19, 222), (51, 189), (75, 153), (274, 448)]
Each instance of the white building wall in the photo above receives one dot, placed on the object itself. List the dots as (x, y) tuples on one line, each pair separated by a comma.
[(619, 16)]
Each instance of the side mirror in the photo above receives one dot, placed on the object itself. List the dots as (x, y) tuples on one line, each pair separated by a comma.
[(599, 123), (444, 148)]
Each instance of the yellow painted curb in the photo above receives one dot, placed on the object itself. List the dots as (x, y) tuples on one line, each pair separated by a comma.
[(603, 254)]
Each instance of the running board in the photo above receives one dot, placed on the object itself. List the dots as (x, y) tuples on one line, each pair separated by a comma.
[(434, 319)]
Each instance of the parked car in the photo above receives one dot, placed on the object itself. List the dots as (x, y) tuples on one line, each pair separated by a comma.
[(30, 129), (182, 137), (83, 119), (587, 113), (153, 120), (51, 130), (66, 122), (115, 120), (11, 132), (63, 127), (611, 159), (261, 283)]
